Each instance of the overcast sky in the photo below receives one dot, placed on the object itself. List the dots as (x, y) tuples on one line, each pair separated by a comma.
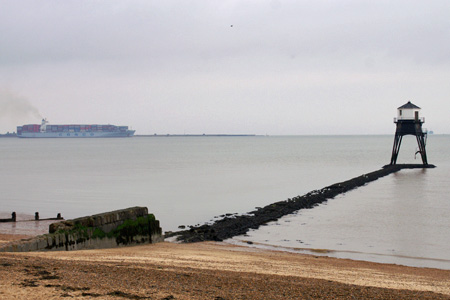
[(260, 67)]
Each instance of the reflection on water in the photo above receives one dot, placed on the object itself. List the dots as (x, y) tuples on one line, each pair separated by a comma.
[(25, 225)]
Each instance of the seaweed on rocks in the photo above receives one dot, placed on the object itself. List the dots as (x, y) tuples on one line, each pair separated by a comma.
[(234, 225)]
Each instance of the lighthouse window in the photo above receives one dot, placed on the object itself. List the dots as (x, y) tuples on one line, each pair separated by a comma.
[(400, 112)]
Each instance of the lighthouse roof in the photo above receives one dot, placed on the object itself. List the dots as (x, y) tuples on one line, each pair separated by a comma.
[(409, 105)]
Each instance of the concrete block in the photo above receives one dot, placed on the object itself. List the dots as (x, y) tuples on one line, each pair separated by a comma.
[(83, 239)]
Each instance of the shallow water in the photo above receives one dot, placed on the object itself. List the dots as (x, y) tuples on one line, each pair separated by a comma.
[(25, 225), (397, 219), (189, 180)]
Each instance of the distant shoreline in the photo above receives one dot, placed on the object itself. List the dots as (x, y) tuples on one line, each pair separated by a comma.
[(190, 135), (163, 135)]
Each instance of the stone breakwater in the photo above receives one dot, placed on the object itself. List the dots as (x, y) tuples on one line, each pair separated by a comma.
[(107, 230), (235, 225)]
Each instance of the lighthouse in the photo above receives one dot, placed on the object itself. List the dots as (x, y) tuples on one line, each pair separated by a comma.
[(409, 122)]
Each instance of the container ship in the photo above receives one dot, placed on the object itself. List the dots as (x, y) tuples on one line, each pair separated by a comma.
[(45, 130)]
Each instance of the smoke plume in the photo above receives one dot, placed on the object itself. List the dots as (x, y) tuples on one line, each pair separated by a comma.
[(16, 110)]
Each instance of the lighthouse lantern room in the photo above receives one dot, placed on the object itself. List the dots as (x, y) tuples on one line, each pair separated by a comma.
[(408, 111), (409, 123)]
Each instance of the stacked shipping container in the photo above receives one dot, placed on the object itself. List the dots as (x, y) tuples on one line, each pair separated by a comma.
[(72, 128)]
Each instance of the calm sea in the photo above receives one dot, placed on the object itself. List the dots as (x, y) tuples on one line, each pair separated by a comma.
[(402, 218)]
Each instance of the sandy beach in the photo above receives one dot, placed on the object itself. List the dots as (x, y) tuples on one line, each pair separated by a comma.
[(208, 270)]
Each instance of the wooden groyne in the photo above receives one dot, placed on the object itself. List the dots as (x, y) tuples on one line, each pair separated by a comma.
[(36, 218), (231, 226), (12, 219)]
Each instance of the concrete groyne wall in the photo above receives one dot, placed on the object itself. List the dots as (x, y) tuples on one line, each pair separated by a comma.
[(107, 230)]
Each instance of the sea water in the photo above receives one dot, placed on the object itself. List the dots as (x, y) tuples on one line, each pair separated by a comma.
[(193, 180)]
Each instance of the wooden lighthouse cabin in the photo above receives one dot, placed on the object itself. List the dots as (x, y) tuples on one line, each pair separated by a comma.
[(409, 123)]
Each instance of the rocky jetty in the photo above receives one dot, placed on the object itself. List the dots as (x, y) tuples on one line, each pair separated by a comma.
[(234, 225)]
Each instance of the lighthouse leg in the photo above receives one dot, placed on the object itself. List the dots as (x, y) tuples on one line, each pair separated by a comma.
[(396, 148), (423, 152)]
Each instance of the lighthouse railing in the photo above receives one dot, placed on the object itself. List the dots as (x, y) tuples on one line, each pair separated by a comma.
[(421, 120)]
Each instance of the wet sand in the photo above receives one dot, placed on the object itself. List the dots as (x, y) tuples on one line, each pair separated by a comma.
[(6, 238), (208, 270)]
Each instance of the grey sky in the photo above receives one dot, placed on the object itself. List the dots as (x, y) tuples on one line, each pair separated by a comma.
[(275, 67)]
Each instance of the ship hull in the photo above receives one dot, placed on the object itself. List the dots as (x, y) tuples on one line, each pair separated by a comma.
[(128, 133)]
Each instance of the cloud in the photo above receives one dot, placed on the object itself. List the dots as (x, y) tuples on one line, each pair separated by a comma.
[(166, 31), (164, 64)]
